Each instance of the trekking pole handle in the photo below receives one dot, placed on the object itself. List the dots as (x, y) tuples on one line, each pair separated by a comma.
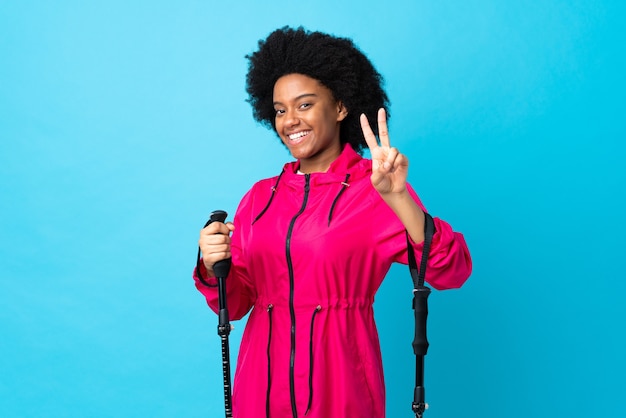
[(222, 267)]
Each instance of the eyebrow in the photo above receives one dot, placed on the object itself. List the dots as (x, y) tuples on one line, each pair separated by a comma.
[(299, 97)]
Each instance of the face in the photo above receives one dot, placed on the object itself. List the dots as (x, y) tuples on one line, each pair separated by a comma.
[(307, 120)]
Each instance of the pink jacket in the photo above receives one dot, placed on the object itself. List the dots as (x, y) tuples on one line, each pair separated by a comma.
[(308, 254)]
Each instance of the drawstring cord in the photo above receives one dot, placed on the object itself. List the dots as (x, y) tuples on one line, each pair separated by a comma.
[(269, 202), (343, 189), (344, 185), (308, 408), (270, 308)]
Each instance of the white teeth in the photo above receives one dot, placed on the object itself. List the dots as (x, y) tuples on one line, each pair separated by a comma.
[(297, 135)]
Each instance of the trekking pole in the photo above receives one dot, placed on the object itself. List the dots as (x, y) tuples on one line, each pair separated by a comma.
[(420, 310), (221, 269)]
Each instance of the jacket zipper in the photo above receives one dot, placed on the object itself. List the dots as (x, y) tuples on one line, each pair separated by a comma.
[(270, 307), (292, 359)]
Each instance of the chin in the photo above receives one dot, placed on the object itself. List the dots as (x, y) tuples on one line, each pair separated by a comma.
[(300, 153)]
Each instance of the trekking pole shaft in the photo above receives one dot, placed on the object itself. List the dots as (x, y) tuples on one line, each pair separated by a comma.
[(223, 330), (226, 369)]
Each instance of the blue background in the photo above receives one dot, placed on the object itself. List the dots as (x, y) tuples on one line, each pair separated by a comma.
[(123, 124)]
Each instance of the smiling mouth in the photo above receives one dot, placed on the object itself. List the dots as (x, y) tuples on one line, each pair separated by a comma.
[(296, 137)]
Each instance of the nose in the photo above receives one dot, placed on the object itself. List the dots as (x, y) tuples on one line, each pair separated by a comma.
[(291, 118)]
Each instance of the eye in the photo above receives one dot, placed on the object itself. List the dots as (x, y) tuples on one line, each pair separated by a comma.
[(305, 105), (279, 112)]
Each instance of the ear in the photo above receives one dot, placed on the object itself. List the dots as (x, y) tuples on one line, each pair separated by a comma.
[(342, 111)]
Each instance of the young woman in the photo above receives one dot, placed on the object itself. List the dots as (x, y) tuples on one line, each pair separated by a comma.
[(311, 246)]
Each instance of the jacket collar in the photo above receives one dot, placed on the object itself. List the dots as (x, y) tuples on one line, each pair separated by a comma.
[(348, 162)]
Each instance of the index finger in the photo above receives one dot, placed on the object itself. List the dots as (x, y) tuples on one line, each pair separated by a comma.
[(370, 138), (218, 228)]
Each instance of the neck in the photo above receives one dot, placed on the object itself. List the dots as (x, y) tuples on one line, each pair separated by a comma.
[(320, 163)]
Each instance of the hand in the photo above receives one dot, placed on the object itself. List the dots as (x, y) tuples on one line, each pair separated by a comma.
[(389, 167), (214, 243)]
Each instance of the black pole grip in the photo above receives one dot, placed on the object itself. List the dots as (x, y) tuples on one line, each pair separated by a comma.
[(222, 267), (420, 347), (420, 308)]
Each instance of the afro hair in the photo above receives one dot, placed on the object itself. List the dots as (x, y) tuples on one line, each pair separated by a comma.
[(333, 61)]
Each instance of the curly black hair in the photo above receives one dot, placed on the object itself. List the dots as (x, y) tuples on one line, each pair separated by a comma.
[(335, 62)]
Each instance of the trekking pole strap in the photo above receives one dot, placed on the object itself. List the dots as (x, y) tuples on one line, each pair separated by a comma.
[(419, 276)]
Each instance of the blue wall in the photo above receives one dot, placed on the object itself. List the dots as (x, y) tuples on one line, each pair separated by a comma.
[(123, 124)]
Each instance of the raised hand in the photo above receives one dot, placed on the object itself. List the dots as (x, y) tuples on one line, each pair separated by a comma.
[(389, 167)]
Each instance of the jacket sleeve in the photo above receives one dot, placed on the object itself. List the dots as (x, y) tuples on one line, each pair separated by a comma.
[(240, 293), (449, 261)]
